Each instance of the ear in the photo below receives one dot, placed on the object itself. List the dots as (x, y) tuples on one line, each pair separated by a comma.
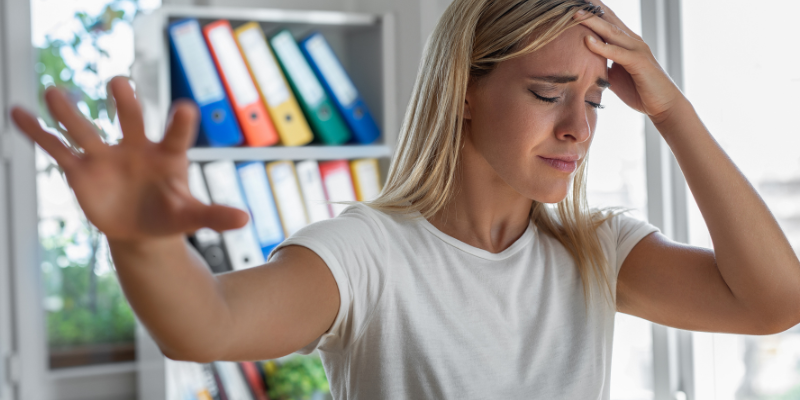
[(467, 114)]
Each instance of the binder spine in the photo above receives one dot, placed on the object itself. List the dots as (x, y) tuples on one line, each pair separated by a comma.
[(195, 77), (250, 111), (340, 87), (328, 125), (207, 242), (262, 207), (281, 104)]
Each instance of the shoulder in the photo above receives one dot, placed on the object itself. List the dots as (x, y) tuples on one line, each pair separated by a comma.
[(358, 226), (619, 233)]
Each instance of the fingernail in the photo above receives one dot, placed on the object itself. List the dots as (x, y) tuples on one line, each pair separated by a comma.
[(592, 39), (581, 12)]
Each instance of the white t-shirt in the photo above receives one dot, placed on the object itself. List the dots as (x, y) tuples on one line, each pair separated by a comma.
[(426, 316)]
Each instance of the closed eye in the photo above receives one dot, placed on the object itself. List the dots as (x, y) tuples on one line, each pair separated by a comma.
[(545, 99), (555, 99)]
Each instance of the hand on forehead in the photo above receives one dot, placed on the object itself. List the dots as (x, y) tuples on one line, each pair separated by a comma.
[(566, 55)]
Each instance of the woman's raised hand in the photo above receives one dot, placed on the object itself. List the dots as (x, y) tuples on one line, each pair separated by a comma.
[(137, 189), (635, 76)]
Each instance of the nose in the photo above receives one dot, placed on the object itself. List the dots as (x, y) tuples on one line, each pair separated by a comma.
[(574, 123)]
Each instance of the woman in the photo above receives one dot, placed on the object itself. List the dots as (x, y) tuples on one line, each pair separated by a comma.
[(459, 281)]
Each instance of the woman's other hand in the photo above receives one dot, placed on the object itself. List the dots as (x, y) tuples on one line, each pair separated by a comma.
[(137, 189), (635, 76)]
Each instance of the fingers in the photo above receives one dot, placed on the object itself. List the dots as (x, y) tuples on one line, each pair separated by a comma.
[(610, 16), (81, 131), (29, 125), (612, 52), (611, 33), (129, 112), (181, 128)]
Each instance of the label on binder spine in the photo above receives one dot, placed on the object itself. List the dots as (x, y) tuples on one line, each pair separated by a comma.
[(197, 63), (330, 67), (233, 66), (296, 65), (265, 68)]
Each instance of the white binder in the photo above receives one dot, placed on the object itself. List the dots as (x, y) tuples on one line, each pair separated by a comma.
[(287, 196), (313, 193), (223, 185), (233, 380), (209, 242)]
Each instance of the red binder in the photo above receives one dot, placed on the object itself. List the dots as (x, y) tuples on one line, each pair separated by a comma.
[(338, 184), (254, 121), (250, 371)]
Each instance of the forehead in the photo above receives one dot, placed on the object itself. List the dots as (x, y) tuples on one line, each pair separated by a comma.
[(566, 54)]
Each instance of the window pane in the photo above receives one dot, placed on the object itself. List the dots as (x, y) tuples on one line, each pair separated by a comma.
[(80, 45), (617, 179), (742, 73)]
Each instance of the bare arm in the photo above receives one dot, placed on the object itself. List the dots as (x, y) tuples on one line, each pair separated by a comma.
[(260, 313), (137, 194), (750, 283)]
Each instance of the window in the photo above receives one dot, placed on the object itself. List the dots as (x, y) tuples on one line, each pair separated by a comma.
[(80, 45), (616, 178), (742, 73)]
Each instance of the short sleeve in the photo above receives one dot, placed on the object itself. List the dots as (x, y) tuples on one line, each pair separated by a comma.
[(622, 233), (353, 246)]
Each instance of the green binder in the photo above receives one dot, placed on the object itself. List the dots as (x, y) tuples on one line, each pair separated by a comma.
[(323, 116)]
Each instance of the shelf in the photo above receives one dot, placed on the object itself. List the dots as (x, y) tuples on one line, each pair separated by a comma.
[(288, 153), (332, 18)]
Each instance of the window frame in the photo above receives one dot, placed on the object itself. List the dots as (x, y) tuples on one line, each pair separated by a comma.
[(667, 207), (23, 344)]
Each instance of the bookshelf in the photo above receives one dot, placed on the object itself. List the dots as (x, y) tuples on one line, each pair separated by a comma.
[(289, 153), (363, 42)]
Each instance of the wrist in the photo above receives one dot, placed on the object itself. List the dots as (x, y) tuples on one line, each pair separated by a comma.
[(146, 244), (681, 109)]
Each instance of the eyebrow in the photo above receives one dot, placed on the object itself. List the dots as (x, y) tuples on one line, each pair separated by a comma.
[(567, 79)]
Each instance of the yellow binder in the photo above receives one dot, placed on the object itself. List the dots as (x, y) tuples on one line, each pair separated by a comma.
[(292, 126), (366, 178)]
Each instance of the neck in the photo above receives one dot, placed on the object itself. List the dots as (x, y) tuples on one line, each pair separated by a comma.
[(484, 212)]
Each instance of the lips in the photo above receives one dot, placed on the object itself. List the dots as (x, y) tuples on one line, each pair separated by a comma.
[(566, 164), (565, 158)]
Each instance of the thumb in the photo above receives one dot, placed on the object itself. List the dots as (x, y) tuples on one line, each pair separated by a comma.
[(220, 218)]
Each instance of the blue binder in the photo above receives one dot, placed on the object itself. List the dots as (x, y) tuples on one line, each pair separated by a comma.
[(336, 82), (195, 77), (264, 213)]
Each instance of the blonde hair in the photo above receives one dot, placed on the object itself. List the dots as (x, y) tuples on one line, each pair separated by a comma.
[(471, 38)]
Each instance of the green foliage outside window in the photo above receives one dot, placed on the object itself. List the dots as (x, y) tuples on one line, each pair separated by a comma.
[(91, 308), (85, 307)]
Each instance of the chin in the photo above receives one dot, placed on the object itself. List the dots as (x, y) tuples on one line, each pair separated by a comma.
[(551, 197)]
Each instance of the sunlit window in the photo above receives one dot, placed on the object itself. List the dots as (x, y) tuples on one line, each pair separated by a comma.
[(80, 45), (742, 73)]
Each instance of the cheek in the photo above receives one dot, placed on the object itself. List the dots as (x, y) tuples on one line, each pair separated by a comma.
[(510, 125)]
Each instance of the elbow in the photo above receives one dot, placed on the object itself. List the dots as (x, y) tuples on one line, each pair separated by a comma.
[(773, 323), (183, 353), (196, 357)]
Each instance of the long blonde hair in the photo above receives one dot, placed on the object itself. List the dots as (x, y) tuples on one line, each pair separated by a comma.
[(471, 38)]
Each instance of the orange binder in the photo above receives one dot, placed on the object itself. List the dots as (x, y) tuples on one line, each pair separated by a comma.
[(254, 121)]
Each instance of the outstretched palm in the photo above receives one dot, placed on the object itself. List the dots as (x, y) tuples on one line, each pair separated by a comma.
[(137, 189)]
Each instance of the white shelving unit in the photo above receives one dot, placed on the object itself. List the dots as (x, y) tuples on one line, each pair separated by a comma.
[(363, 42), (289, 153)]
